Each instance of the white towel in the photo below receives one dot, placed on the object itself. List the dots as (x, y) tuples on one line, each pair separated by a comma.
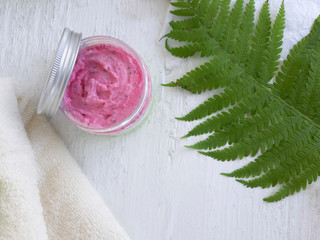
[(43, 193)]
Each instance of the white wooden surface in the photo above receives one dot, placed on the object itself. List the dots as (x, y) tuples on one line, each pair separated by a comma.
[(156, 188)]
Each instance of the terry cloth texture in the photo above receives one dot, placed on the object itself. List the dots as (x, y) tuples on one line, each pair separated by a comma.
[(43, 192)]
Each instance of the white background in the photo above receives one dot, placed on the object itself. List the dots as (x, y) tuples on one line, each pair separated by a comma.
[(156, 188)]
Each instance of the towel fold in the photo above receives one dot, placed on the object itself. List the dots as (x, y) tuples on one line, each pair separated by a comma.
[(43, 193)]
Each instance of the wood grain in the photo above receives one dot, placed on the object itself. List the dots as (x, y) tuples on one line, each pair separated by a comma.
[(155, 187)]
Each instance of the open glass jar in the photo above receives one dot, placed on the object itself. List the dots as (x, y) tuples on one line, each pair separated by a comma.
[(99, 83)]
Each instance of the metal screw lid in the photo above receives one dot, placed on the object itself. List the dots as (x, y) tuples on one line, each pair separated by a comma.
[(61, 70)]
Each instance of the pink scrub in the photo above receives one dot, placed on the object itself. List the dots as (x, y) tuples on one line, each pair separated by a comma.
[(105, 87)]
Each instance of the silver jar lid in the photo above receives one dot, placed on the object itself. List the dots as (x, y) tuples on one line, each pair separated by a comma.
[(61, 70)]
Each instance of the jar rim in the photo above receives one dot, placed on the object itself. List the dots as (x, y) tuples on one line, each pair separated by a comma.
[(61, 69), (97, 40)]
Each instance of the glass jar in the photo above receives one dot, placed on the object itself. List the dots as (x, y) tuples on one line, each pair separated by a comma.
[(99, 83)]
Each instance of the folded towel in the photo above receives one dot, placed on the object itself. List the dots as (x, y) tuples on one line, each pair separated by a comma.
[(43, 193)]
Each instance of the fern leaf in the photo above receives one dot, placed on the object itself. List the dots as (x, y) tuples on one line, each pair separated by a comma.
[(302, 169), (287, 169), (183, 12), (250, 146), (188, 35), (270, 63), (183, 51), (180, 4), (210, 16), (237, 127), (295, 185), (295, 68), (272, 158), (218, 102), (260, 41), (244, 35), (195, 3), (281, 120), (310, 103), (229, 36), (233, 114), (215, 123), (207, 48), (204, 8), (208, 76), (189, 23), (221, 22)]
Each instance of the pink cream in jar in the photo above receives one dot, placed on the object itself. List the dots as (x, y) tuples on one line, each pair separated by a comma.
[(108, 90)]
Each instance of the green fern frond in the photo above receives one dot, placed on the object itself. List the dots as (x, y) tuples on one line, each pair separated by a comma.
[(244, 35), (210, 75), (259, 42), (215, 123), (184, 51), (180, 4), (189, 23), (221, 22), (210, 15), (310, 102), (230, 95), (225, 118), (265, 139), (194, 3), (207, 48), (276, 123), (188, 35), (244, 128), (184, 12), (302, 169), (204, 8), (230, 31), (288, 169), (294, 70), (270, 62), (295, 185), (273, 157)]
